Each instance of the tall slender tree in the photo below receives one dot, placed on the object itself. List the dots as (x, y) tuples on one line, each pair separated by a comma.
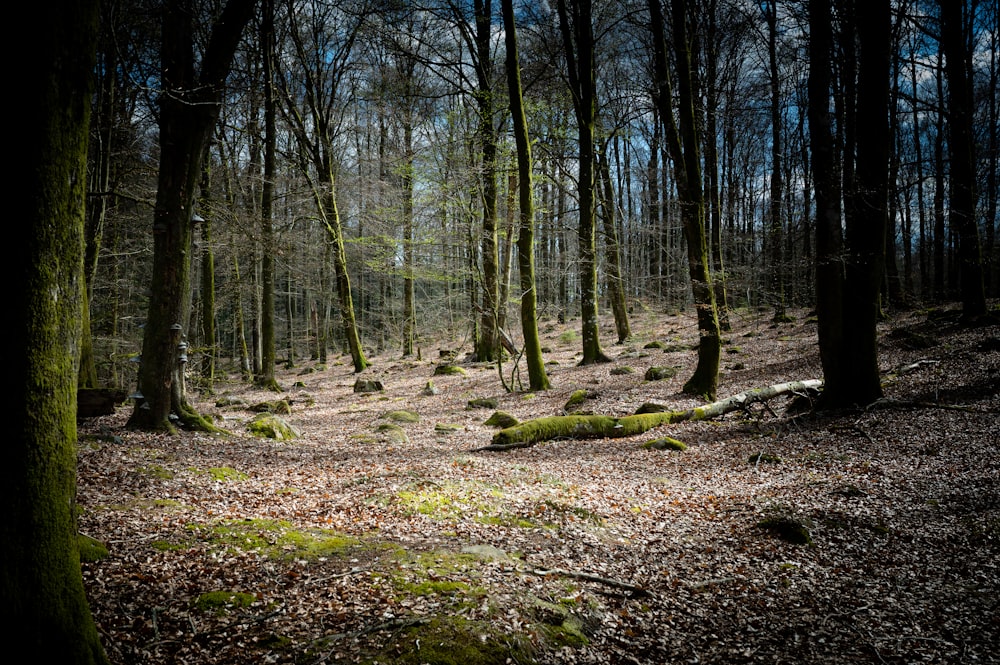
[(682, 139), (578, 45), (537, 377), (961, 157)]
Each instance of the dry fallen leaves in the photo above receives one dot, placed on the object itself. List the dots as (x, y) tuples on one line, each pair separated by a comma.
[(902, 503)]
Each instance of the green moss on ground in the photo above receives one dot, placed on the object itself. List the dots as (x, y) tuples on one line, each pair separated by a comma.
[(91, 550), (220, 601), (276, 539), (665, 443)]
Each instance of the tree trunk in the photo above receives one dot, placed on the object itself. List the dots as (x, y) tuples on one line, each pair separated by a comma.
[(537, 377), (616, 282), (682, 140), (189, 108), (265, 377), (961, 153), (578, 44), (535, 431), (44, 611)]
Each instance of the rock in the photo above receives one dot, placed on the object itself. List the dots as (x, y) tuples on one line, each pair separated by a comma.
[(483, 403), (430, 389), (660, 373), (666, 443), (501, 419), (368, 386), (270, 426)]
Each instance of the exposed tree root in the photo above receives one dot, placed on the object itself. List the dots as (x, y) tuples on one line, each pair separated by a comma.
[(535, 431)]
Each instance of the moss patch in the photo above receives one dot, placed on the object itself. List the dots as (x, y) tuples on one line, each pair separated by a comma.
[(501, 419), (277, 539), (449, 370), (665, 443), (91, 550), (403, 416), (219, 601)]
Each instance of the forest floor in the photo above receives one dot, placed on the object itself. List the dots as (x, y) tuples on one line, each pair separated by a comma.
[(361, 543)]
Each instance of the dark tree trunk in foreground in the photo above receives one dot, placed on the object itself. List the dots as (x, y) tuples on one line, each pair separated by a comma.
[(189, 108), (43, 607), (537, 377), (849, 276)]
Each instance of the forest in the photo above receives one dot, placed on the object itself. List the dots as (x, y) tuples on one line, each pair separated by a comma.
[(462, 331)]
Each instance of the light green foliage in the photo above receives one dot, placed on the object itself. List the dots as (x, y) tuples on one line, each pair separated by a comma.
[(225, 474), (454, 501)]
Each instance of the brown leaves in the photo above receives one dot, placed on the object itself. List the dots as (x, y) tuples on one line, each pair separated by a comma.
[(902, 504)]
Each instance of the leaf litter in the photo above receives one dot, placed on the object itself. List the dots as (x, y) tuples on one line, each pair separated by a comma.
[(347, 546)]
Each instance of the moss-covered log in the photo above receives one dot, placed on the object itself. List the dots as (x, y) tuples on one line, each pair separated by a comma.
[(590, 427)]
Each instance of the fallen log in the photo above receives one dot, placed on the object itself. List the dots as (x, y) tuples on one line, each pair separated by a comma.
[(535, 431)]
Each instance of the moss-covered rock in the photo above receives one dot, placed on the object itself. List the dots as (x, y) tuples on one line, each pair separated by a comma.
[(449, 370), (657, 373), (501, 419), (652, 407), (368, 386), (624, 369), (91, 549), (278, 406), (576, 398), (403, 416), (447, 428), (665, 443), (270, 426), (430, 389), (482, 403), (392, 433), (655, 344)]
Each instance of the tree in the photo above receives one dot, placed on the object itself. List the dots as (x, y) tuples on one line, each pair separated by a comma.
[(44, 609), (537, 378), (189, 105), (961, 153), (682, 139), (849, 268), (323, 39), (578, 45)]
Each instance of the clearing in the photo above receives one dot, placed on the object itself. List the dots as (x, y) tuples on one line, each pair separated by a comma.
[(380, 538)]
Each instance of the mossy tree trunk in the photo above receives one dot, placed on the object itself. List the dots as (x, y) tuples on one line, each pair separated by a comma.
[(43, 606), (576, 27), (265, 378), (535, 431), (322, 58), (189, 107), (682, 140), (537, 377)]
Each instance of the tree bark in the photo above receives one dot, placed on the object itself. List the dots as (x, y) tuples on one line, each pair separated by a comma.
[(578, 44), (682, 139), (961, 153), (44, 611), (537, 377), (535, 431), (189, 108)]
